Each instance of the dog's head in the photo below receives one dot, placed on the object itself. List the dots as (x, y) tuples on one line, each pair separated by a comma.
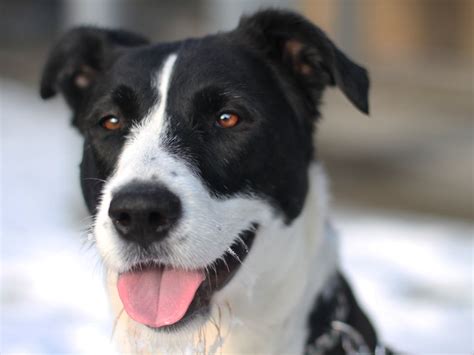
[(192, 147)]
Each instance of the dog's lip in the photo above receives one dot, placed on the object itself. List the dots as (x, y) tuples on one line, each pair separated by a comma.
[(217, 274), (240, 246)]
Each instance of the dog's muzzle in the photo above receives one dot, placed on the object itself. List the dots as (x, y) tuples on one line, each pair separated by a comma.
[(154, 287)]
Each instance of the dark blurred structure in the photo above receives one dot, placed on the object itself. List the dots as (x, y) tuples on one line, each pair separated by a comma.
[(414, 153)]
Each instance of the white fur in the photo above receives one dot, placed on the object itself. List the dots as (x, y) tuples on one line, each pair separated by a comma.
[(264, 308)]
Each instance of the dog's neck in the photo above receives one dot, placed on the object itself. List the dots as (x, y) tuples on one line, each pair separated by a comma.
[(265, 307)]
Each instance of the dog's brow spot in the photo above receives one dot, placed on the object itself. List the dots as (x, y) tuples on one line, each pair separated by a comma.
[(154, 177), (174, 173), (152, 158)]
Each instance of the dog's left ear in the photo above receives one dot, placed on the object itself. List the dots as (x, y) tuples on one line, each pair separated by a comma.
[(80, 57), (290, 40)]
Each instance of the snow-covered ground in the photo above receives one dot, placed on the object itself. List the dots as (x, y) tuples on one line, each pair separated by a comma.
[(412, 273)]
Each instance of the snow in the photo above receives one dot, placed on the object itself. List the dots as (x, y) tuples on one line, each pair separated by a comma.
[(412, 273), (52, 296)]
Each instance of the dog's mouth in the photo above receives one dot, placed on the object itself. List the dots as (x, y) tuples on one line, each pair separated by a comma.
[(163, 297)]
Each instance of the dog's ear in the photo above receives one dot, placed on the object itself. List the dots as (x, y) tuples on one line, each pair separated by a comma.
[(291, 40), (79, 58)]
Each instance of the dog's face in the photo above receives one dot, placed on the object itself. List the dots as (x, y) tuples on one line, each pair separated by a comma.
[(192, 147)]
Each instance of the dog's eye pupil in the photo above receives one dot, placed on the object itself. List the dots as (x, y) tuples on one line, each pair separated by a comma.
[(228, 120), (111, 123)]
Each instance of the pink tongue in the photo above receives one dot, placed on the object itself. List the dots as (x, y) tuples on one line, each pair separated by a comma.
[(158, 296)]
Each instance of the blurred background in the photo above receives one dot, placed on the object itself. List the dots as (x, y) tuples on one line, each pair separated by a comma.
[(401, 179)]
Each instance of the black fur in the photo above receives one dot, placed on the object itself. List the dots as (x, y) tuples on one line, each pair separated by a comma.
[(339, 294)]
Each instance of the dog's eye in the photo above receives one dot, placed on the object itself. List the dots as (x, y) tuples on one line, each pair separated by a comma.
[(228, 120), (111, 123)]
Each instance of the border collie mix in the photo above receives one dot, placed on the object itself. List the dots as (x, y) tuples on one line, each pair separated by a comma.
[(210, 205)]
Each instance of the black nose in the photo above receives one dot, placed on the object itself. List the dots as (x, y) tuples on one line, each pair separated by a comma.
[(144, 213)]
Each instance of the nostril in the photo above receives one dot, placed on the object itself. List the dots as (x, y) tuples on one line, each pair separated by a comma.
[(124, 219), (156, 219)]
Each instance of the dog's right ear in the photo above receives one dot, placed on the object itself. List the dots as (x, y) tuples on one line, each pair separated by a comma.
[(79, 58), (303, 49)]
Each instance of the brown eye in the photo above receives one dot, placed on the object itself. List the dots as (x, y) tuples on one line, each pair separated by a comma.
[(228, 120), (111, 123)]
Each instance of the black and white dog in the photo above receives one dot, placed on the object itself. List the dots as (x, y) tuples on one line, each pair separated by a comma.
[(200, 169)]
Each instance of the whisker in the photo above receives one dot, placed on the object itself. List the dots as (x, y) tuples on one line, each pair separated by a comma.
[(95, 179), (205, 340), (241, 241), (213, 266), (234, 255), (218, 340), (208, 276), (225, 263), (115, 324)]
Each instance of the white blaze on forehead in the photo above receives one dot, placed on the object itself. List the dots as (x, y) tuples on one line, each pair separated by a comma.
[(146, 141), (156, 116), (164, 80)]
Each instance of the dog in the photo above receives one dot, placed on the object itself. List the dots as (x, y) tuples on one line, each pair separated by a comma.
[(210, 205)]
